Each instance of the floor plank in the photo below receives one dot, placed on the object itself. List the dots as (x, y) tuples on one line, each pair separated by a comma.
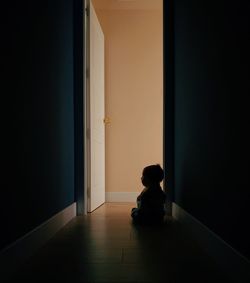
[(105, 246)]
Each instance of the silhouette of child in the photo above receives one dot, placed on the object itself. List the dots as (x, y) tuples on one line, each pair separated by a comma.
[(151, 201)]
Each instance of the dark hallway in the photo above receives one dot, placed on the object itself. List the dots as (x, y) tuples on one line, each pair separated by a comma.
[(206, 89)]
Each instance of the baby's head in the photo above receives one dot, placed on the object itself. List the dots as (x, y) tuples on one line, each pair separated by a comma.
[(152, 175)]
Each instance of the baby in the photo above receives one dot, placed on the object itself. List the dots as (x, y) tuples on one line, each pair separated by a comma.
[(151, 201)]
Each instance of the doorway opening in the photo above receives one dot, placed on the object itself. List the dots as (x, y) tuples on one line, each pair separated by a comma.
[(132, 90)]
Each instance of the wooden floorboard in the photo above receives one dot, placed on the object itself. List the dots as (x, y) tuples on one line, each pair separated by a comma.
[(105, 246)]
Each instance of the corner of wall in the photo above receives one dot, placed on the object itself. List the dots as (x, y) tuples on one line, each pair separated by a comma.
[(18, 252), (235, 264)]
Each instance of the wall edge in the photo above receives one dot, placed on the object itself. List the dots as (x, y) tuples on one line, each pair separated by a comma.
[(235, 264), (13, 256), (121, 196)]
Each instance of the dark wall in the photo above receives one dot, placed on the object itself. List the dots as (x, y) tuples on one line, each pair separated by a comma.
[(37, 125), (211, 69)]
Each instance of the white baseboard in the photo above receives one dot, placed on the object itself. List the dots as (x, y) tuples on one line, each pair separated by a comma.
[(236, 265), (121, 196), (19, 251)]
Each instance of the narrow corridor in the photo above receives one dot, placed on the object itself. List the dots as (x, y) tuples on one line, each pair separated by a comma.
[(105, 246)]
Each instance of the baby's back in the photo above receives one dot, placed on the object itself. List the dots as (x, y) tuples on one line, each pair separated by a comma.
[(153, 200)]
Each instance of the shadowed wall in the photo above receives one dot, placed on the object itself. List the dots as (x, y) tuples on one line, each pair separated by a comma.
[(211, 53), (38, 122)]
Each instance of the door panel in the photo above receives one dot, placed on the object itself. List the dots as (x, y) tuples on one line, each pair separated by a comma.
[(96, 194)]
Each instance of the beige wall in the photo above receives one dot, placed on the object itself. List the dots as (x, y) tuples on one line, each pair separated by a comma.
[(133, 94)]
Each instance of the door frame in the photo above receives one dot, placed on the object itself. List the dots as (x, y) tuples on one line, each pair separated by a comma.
[(169, 102), (79, 105), (80, 108), (86, 99)]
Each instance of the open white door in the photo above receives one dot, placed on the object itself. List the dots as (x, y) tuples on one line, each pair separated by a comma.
[(95, 119)]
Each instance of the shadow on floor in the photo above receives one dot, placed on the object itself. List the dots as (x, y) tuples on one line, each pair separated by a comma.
[(105, 246)]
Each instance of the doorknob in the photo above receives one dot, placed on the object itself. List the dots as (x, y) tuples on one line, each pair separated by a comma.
[(106, 120)]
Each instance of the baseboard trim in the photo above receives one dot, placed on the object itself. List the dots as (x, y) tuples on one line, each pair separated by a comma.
[(121, 196), (236, 265), (18, 252)]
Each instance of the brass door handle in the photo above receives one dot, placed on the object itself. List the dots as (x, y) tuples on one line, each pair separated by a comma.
[(106, 120)]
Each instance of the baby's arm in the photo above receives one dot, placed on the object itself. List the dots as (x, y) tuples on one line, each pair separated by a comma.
[(139, 198), (138, 201)]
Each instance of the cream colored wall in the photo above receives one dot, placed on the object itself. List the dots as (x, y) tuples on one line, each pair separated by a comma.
[(133, 95)]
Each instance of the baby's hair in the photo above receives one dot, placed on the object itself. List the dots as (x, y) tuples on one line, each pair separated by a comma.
[(154, 173)]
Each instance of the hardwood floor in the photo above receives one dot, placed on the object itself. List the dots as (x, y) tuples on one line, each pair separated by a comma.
[(105, 246)]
